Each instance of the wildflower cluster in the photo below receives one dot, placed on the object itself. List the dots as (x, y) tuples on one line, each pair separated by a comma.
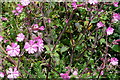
[(59, 40)]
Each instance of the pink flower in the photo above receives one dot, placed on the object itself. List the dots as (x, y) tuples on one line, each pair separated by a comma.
[(13, 50), (18, 9), (20, 37), (49, 20), (16, 14), (74, 5), (42, 28), (35, 27), (67, 67), (115, 4), (13, 11), (20, 6), (102, 72), (75, 73), (114, 61), (1, 38), (80, 5), (86, 68), (116, 42), (4, 19), (13, 73), (66, 20), (6, 41), (31, 46), (100, 24), (92, 1), (109, 31), (114, 20), (116, 16), (36, 38), (25, 2), (101, 10), (1, 74), (65, 76), (40, 45)]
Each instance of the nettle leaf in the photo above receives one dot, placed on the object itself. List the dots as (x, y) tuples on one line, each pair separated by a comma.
[(116, 48), (64, 48)]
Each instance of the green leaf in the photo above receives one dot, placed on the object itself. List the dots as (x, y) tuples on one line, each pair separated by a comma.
[(48, 52), (94, 21), (63, 49), (78, 47), (102, 40), (22, 16), (116, 48), (46, 47), (56, 58), (91, 37), (91, 60)]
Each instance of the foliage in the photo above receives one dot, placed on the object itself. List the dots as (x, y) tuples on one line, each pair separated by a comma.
[(71, 38)]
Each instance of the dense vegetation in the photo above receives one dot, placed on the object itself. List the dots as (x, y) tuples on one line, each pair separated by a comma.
[(60, 40)]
